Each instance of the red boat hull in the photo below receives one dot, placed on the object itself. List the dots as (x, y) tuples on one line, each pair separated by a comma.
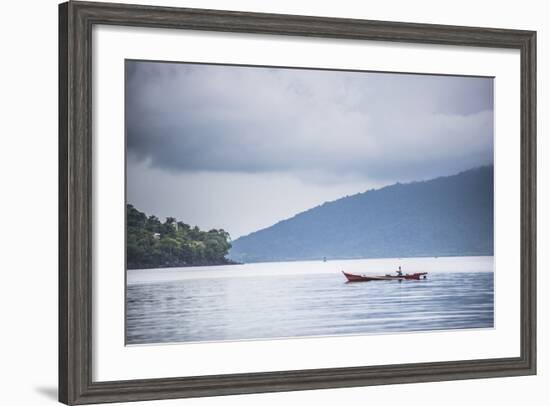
[(416, 276), (364, 278)]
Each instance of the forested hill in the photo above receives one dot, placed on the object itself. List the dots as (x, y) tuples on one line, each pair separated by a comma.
[(151, 243), (450, 215)]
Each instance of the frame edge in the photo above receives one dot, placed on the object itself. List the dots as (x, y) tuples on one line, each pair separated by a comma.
[(75, 378), (529, 201), (64, 381)]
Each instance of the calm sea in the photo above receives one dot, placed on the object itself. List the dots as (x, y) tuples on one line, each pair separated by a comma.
[(302, 299)]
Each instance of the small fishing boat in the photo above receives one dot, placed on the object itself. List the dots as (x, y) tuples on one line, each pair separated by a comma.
[(366, 278)]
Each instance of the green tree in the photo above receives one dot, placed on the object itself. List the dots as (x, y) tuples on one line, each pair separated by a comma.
[(151, 243)]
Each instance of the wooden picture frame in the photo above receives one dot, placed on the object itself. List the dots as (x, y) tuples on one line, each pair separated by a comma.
[(76, 20)]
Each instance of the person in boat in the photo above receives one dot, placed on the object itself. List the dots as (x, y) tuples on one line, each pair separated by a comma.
[(399, 272)]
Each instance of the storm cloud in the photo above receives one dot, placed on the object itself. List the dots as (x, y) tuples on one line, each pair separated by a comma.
[(315, 125), (242, 148)]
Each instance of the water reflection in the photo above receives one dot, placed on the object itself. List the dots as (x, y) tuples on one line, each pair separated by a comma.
[(286, 305)]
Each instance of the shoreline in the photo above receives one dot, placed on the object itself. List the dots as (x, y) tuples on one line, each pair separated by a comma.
[(312, 260), (187, 265)]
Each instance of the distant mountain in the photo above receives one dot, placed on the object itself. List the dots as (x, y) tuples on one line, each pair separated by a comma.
[(450, 215)]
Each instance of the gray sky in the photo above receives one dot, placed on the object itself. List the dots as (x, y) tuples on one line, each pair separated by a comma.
[(241, 148)]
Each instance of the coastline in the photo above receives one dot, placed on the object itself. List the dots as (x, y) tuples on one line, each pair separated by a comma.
[(231, 262), (185, 265)]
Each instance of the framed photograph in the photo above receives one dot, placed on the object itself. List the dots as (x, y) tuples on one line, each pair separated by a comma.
[(256, 202)]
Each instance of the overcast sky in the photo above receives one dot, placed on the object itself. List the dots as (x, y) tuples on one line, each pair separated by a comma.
[(241, 148)]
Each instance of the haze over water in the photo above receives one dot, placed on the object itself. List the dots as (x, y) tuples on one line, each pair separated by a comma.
[(303, 299)]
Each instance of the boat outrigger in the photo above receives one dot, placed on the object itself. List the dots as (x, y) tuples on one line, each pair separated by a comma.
[(366, 278)]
